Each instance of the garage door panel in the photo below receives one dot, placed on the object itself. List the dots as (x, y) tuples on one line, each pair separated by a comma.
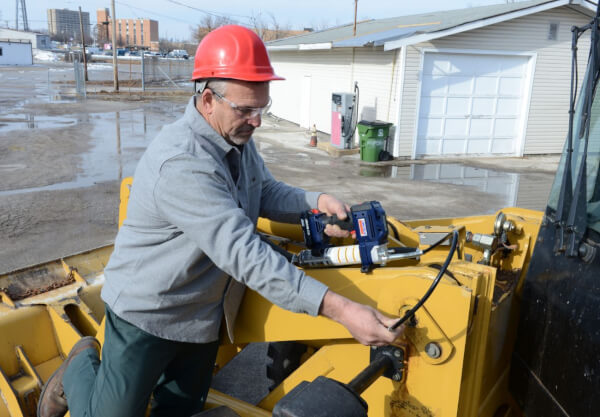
[(432, 106), (434, 85), (463, 64), (508, 106), (432, 128), (458, 106), (429, 146), (485, 85), (455, 127), (486, 65), (512, 66), (451, 146), (483, 106), (478, 146), (504, 128), (459, 85), (510, 86), (437, 66), (471, 103), (503, 146), (481, 128)]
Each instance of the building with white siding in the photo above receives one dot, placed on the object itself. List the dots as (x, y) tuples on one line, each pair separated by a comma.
[(37, 40), (485, 81), (15, 52)]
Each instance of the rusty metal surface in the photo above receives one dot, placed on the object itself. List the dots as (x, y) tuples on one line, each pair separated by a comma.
[(34, 281)]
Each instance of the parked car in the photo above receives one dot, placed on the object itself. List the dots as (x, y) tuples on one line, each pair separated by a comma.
[(179, 53), (93, 50)]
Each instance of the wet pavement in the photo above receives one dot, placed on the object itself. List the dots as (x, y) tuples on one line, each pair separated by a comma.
[(118, 140)]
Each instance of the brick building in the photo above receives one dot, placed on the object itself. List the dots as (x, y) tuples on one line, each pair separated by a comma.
[(141, 33)]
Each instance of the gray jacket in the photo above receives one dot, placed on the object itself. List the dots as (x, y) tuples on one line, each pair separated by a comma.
[(191, 227)]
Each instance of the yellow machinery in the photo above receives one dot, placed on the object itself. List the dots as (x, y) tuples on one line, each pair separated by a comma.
[(513, 328), (453, 359)]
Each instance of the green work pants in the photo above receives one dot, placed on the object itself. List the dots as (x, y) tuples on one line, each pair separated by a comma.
[(134, 366)]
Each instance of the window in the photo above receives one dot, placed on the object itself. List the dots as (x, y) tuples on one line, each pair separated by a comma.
[(553, 32), (592, 158), (0, 51)]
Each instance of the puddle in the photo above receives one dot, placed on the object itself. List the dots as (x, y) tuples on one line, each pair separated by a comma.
[(9, 122), (525, 190), (118, 141)]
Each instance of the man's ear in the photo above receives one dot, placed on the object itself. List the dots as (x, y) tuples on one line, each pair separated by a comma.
[(206, 103)]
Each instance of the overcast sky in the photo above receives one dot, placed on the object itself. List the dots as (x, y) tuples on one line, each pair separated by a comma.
[(177, 17)]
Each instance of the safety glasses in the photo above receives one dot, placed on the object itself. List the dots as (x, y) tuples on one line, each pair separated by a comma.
[(244, 111)]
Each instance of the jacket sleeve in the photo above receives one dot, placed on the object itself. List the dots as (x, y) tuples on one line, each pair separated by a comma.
[(198, 201)]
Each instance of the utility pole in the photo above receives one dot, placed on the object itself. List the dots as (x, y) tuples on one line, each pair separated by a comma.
[(23, 15), (83, 45), (114, 47), (355, 9)]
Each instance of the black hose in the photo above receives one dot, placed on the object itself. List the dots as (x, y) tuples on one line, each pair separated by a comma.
[(394, 229), (288, 255), (410, 313), (437, 267), (402, 249), (437, 243)]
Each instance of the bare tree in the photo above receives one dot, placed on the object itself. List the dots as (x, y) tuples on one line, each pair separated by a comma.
[(266, 26), (209, 23), (269, 28)]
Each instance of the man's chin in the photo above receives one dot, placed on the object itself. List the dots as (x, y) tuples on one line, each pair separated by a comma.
[(240, 139)]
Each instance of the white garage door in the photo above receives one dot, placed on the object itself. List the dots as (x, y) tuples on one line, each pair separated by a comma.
[(472, 104)]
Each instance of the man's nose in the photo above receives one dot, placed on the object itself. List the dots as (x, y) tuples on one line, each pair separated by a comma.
[(255, 120)]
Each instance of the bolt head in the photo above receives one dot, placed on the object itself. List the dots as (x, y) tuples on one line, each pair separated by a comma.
[(433, 350), (397, 353), (397, 376)]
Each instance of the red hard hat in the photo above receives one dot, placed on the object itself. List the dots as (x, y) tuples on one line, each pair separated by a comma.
[(235, 52)]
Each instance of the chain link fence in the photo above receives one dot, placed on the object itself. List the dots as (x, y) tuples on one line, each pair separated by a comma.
[(158, 71), (66, 77)]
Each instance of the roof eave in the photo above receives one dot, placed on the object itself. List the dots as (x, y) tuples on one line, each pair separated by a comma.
[(315, 46), (399, 43), (585, 4), (282, 47), (301, 47)]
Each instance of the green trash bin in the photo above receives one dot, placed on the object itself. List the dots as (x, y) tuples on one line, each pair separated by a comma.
[(372, 137)]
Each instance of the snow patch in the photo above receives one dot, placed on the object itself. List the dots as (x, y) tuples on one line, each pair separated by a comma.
[(48, 56)]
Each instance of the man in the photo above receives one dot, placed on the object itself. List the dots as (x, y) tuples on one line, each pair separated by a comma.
[(189, 247)]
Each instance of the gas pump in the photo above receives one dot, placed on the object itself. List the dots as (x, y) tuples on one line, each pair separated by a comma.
[(344, 115)]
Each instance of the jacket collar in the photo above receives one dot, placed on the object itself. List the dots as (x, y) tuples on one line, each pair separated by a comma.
[(200, 127)]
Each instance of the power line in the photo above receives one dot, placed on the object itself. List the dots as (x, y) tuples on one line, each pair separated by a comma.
[(156, 14), (208, 12)]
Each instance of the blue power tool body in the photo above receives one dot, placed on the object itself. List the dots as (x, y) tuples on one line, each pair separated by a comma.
[(367, 221)]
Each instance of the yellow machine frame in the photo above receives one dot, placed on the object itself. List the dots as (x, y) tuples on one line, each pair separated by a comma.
[(471, 317)]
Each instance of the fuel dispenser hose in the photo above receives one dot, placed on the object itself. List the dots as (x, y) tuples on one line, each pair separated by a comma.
[(410, 313)]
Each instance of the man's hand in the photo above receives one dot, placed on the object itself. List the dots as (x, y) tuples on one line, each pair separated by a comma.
[(367, 325), (331, 205)]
